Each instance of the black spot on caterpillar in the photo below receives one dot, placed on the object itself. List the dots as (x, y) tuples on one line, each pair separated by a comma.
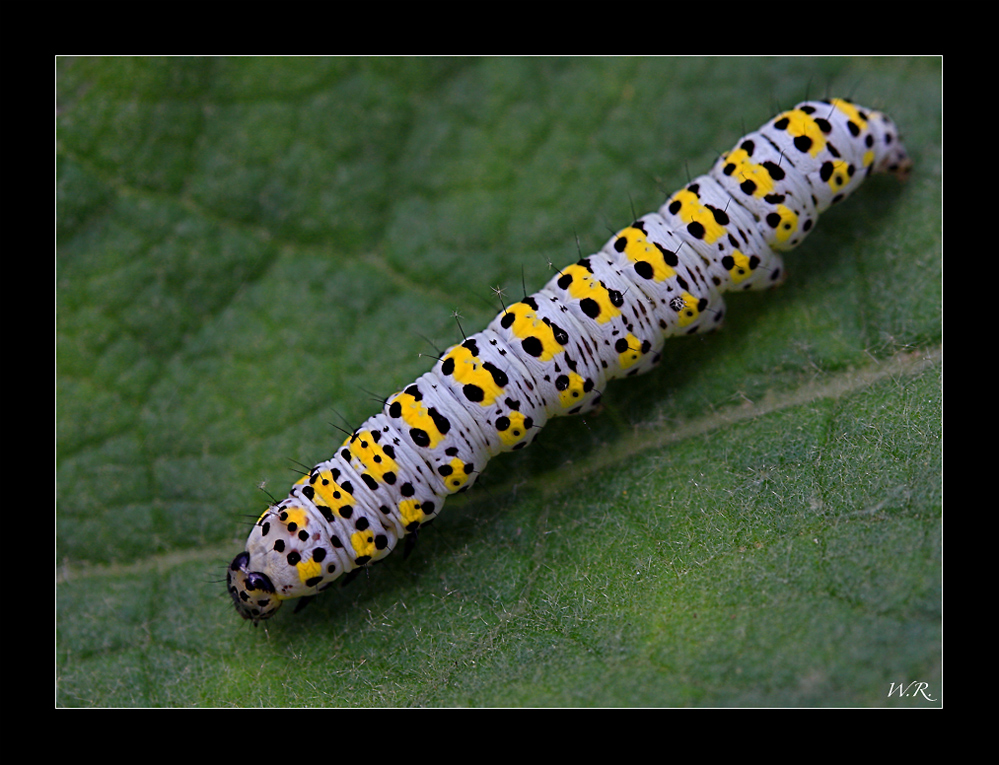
[(604, 317)]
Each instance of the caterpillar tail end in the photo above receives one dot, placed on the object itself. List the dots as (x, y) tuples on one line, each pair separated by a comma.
[(892, 157), (902, 167), (252, 592)]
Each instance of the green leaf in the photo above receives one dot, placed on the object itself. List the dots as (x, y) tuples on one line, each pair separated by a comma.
[(250, 255)]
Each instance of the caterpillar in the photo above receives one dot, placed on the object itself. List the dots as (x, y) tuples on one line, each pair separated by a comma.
[(552, 353)]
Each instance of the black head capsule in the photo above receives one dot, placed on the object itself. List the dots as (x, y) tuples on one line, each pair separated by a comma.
[(251, 591)]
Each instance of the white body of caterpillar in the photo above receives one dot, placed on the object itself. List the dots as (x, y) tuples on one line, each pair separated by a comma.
[(552, 353)]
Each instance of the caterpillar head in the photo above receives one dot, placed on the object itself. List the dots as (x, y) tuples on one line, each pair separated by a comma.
[(252, 592), (288, 555)]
